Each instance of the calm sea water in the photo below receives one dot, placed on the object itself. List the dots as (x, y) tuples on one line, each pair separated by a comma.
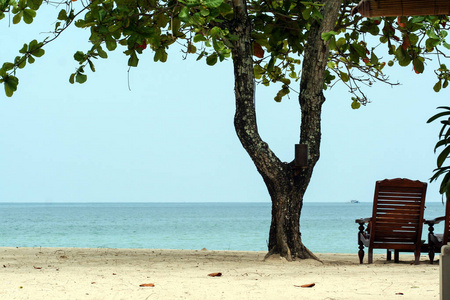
[(325, 227)]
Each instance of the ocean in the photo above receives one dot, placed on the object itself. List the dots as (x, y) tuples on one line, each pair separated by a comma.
[(325, 227)]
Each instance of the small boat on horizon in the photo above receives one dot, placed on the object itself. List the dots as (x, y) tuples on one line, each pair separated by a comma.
[(354, 201)]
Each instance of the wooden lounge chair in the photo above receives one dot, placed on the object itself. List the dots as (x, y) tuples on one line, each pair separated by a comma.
[(436, 241), (396, 221)]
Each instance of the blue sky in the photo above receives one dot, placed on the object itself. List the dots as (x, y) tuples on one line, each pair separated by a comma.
[(171, 138)]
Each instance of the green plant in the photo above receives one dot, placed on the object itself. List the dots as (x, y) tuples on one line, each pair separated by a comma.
[(444, 141)]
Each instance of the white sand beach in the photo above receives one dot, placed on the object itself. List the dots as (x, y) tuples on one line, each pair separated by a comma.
[(77, 273)]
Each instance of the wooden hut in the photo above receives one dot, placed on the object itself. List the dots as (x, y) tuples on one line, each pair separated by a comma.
[(393, 8)]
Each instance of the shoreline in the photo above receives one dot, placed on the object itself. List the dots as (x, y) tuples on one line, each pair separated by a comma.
[(105, 273)]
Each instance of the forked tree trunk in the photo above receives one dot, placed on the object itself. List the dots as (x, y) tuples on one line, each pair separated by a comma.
[(286, 184)]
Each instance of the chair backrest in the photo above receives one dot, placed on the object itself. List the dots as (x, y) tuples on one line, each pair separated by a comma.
[(397, 218)]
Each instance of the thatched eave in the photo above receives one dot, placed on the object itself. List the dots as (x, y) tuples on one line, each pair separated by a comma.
[(393, 8)]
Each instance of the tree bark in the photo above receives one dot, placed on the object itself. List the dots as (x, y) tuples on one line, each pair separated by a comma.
[(285, 183)]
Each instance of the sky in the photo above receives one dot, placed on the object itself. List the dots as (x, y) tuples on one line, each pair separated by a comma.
[(171, 137)]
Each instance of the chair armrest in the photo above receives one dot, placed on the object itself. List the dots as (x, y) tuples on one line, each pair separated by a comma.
[(363, 221), (434, 221)]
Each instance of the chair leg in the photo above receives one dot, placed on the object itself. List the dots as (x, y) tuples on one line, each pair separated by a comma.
[(370, 256), (361, 249), (431, 254), (396, 256), (417, 256), (361, 255), (388, 254)]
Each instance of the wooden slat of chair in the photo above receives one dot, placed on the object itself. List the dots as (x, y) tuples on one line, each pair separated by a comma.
[(397, 218)]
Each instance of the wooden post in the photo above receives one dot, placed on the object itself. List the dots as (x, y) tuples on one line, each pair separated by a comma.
[(444, 274)]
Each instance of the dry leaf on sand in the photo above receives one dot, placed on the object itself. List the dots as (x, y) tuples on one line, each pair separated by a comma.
[(147, 285), (215, 274), (308, 285)]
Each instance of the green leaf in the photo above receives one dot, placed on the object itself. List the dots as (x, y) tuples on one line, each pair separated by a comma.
[(24, 49), (212, 59), (163, 56), (359, 49), (102, 53), (175, 26), (212, 3), (102, 14), (80, 78), (418, 65), (326, 36), (271, 63), (373, 29), (384, 39), (17, 18), (431, 43), (184, 14), (437, 86), (404, 59), (413, 39), (7, 66), (111, 44), (199, 38), (33, 45), (28, 15), (34, 4), (344, 76), (22, 63), (215, 31), (38, 52), (62, 15), (332, 44), (72, 78), (115, 27), (10, 83), (443, 142), (340, 42), (158, 55), (443, 156), (204, 12), (432, 34), (258, 71), (306, 13), (316, 13), (445, 184), (91, 65), (356, 104), (191, 49), (133, 60), (373, 58), (190, 3), (79, 56)]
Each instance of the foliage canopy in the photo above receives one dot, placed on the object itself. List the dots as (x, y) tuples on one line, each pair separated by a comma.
[(203, 28)]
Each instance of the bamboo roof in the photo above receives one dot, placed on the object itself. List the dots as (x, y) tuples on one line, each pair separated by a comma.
[(393, 8)]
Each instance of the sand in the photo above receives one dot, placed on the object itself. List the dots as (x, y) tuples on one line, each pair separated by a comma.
[(76, 273)]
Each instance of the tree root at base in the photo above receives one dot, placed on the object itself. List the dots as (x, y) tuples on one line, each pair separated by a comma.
[(305, 253)]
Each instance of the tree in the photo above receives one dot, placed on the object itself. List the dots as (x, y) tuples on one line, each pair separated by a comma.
[(311, 43)]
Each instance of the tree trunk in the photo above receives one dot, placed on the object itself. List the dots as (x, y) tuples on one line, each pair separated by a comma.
[(285, 183)]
